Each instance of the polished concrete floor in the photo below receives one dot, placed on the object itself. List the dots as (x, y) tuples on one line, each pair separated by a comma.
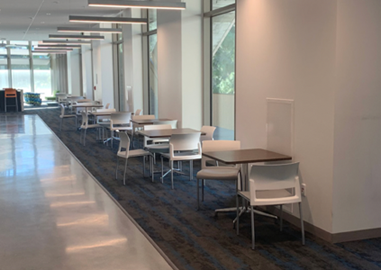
[(53, 215)]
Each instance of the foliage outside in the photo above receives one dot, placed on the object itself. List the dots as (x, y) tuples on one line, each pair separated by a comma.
[(223, 66)]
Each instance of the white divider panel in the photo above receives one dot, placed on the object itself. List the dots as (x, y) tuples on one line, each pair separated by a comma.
[(280, 125), (280, 129)]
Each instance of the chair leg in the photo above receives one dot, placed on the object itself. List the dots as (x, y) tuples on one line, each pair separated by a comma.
[(281, 217), (84, 137), (80, 136), (124, 174), (237, 220), (198, 193), (202, 188), (144, 165), (171, 162), (252, 228), (116, 171), (162, 170), (302, 223), (190, 170), (75, 122), (61, 124)]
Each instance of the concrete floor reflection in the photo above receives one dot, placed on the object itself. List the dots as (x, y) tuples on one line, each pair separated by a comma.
[(54, 215)]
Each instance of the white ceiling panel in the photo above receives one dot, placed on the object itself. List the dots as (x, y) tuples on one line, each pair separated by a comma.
[(35, 19)]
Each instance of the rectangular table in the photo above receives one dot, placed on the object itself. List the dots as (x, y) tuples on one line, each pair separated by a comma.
[(244, 157), (166, 133), (149, 121)]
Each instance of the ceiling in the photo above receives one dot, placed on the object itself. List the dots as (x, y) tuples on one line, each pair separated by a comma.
[(34, 20)]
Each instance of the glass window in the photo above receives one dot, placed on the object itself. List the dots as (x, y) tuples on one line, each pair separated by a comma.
[(3, 65), (20, 65), (152, 19), (152, 73), (223, 75), (216, 4), (42, 74)]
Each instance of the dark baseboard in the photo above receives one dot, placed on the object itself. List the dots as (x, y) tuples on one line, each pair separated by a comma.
[(329, 237)]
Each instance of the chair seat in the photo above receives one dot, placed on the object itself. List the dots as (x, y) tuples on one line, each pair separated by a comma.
[(271, 195), (134, 153), (219, 173), (68, 116)]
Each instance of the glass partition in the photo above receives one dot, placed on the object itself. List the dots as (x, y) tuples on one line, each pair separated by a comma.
[(223, 75), (20, 65), (216, 4), (3, 65), (42, 74), (153, 87)]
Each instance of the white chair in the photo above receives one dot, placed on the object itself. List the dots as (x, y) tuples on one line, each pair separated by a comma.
[(272, 184), (119, 121), (137, 127), (217, 172), (125, 152), (183, 147), (173, 123), (209, 130), (103, 118), (63, 116), (107, 105), (85, 126), (138, 112), (156, 145), (61, 98)]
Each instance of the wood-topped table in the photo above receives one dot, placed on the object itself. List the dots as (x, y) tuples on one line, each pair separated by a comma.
[(149, 121), (244, 157), (166, 133)]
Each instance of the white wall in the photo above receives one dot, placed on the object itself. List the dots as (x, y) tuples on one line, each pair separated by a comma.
[(133, 66), (286, 49), (74, 66), (103, 69), (191, 65), (357, 148), (87, 77), (169, 44), (179, 36)]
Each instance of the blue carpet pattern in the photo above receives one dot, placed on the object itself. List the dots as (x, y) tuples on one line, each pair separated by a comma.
[(196, 239)]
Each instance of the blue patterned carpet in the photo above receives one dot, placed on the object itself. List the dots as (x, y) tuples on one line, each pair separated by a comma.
[(196, 239)]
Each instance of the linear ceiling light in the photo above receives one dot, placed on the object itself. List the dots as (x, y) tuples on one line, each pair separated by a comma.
[(53, 49), (97, 19), (66, 42), (136, 4), (58, 46), (89, 30), (51, 52), (90, 37)]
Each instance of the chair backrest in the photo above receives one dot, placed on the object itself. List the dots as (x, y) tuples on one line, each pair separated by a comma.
[(124, 144), (173, 123), (138, 112), (120, 118), (85, 120), (10, 93), (62, 110), (214, 146), (209, 130), (105, 110), (154, 127), (84, 101), (274, 177), (143, 117), (107, 105), (184, 142)]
